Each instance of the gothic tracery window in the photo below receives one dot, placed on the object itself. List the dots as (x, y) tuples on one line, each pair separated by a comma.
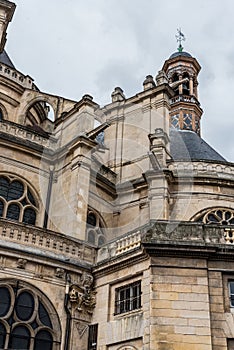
[(95, 229), (221, 216), (26, 320), (16, 200)]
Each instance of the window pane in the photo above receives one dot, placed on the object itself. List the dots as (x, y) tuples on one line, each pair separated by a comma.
[(43, 340), (13, 212), (128, 298), (30, 197), (92, 341), (91, 219), (1, 208), (231, 287), (4, 186), (29, 216), (16, 190), (101, 240), (2, 336), (44, 316), (24, 306), (20, 338), (5, 301), (91, 236)]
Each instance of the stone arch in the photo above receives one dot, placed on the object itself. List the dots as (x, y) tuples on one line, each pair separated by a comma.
[(35, 98), (3, 112), (127, 347), (42, 316)]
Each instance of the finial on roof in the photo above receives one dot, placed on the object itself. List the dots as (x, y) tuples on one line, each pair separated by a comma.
[(180, 37)]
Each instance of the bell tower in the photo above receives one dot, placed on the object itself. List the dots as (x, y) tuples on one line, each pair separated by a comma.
[(182, 70), (7, 10)]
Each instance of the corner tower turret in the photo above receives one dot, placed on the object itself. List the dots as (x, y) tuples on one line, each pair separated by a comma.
[(7, 10), (182, 70)]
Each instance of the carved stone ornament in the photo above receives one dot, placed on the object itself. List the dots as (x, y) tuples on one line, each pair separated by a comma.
[(82, 328), (82, 296), (59, 272), (21, 263)]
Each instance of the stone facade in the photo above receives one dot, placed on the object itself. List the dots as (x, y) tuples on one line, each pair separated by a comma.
[(116, 222)]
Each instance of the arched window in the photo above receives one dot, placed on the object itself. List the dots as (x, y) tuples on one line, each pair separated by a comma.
[(175, 78), (25, 314), (2, 336), (16, 200), (95, 229), (19, 338), (220, 216), (43, 340), (185, 84), (1, 115)]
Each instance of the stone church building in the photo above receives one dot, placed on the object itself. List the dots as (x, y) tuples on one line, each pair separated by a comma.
[(116, 222)]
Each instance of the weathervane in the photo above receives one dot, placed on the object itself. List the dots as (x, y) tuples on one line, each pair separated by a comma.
[(180, 37)]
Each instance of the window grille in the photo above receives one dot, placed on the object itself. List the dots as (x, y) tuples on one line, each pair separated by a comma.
[(128, 298), (92, 340), (175, 121)]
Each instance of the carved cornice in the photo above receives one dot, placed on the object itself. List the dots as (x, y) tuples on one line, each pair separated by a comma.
[(188, 239)]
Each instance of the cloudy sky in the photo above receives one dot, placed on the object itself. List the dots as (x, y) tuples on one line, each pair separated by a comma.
[(73, 47)]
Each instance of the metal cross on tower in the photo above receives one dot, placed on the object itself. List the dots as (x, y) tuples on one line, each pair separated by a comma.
[(180, 37)]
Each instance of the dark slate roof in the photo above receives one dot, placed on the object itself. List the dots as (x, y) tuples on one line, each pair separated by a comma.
[(187, 145), (5, 59), (177, 54)]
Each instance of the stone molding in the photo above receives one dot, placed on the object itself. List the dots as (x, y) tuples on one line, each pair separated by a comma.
[(26, 135), (23, 80), (204, 169)]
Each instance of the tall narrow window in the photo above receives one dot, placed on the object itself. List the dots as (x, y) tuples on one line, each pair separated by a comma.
[(230, 344), (2, 336), (43, 340), (92, 340), (20, 338), (94, 229), (231, 293)]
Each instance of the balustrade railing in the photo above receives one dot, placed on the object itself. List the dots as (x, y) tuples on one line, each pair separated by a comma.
[(46, 240)]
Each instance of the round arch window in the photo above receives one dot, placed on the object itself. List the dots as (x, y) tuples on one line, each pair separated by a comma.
[(220, 216), (27, 321), (16, 200)]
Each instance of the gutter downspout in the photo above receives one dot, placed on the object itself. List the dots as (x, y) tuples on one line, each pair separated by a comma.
[(68, 321), (48, 197)]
